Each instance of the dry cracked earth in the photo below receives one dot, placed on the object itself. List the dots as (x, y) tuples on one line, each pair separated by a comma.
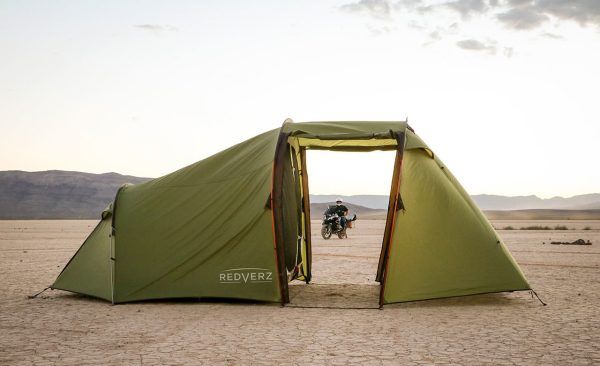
[(497, 329)]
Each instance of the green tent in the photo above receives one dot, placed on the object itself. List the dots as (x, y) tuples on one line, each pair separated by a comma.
[(237, 225)]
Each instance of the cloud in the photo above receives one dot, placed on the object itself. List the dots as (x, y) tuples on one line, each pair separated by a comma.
[(513, 14), (378, 9), (157, 28), (417, 6), (552, 35), (378, 30), (408, 3), (508, 52), (530, 14), (475, 45), (435, 35), (519, 2), (583, 12), (522, 18), (425, 16), (466, 8)]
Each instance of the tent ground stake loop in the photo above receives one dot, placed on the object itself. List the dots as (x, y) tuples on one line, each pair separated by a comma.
[(39, 293), (537, 296)]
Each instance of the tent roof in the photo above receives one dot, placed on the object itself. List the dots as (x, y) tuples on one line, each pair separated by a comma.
[(343, 127), (352, 135)]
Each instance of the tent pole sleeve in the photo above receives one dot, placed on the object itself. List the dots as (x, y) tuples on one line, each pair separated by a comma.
[(113, 232), (391, 215), (306, 208), (277, 214)]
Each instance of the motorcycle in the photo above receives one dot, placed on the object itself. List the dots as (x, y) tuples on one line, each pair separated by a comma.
[(331, 225)]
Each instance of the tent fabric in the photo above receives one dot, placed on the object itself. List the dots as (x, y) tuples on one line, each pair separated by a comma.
[(291, 212), (352, 136), (182, 235), (202, 231), (89, 271), (234, 225), (442, 244)]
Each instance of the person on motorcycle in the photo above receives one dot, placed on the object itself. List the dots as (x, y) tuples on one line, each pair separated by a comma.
[(341, 211)]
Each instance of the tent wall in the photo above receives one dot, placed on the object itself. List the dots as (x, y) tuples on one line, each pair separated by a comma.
[(89, 272), (203, 231), (442, 244), (307, 248)]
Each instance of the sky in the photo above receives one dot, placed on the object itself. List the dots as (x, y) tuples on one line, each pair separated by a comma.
[(505, 92)]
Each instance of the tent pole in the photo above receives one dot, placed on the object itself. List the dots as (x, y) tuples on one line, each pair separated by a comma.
[(391, 216), (113, 232), (306, 209), (277, 214)]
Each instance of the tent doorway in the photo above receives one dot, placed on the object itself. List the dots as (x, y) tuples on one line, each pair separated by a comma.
[(343, 271), (365, 177), (292, 217)]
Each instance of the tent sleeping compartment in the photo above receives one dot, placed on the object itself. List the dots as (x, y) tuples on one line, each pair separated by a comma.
[(237, 225)]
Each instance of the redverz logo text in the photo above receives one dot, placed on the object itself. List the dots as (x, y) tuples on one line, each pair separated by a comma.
[(246, 275)]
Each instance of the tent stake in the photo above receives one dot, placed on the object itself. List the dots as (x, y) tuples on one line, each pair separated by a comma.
[(536, 295), (39, 293)]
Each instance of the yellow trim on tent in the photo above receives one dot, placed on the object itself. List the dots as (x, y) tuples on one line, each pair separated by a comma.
[(315, 143)]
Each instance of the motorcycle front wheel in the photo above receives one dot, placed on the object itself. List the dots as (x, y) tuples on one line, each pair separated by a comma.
[(326, 231)]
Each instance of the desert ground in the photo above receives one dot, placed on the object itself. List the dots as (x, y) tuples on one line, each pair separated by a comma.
[(499, 329)]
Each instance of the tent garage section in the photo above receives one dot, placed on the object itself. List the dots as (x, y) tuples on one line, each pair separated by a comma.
[(237, 225)]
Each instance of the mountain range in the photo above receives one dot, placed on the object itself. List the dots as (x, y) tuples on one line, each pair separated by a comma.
[(57, 194), (317, 210), (487, 202)]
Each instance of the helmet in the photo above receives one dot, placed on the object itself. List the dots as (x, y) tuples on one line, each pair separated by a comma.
[(339, 199)]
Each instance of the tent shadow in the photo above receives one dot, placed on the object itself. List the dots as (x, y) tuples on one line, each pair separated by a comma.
[(367, 296), (335, 295), (490, 299), (342, 296), (80, 298)]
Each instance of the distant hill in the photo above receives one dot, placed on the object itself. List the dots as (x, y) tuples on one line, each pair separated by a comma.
[(366, 200), (363, 213), (544, 215), (57, 194), (487, 202), (582, 202)]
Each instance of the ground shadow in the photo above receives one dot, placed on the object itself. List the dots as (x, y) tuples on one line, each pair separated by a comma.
[(180, 301), (351, 296), (342, 296), (491, 299)]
